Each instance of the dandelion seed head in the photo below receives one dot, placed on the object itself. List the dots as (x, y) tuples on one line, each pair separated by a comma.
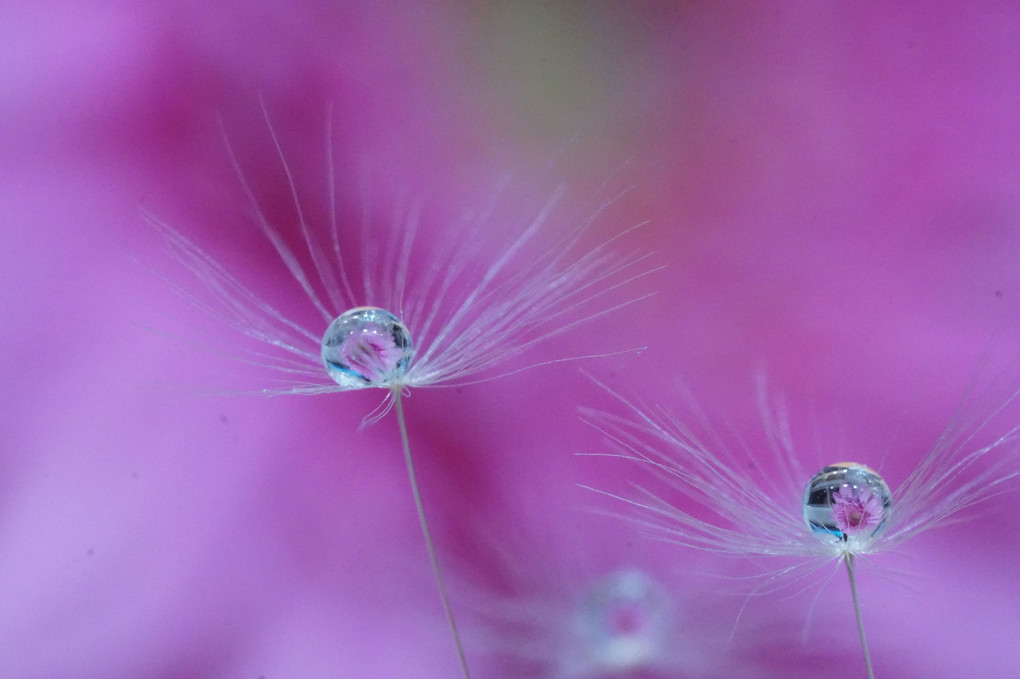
[(625, 620), (367, 347), (847, 504), (474, 306)]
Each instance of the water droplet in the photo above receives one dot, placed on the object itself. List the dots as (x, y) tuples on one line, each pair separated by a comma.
[(847, 502), (625, 619), (366, 347)]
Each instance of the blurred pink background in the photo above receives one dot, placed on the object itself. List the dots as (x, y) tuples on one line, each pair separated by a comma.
[(833, 192)]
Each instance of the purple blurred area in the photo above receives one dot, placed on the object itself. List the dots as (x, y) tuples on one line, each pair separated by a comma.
[(833, 191)]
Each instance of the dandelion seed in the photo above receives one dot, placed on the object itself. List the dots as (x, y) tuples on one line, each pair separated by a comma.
[(467, 319), (625, 621), (621, 623), (847, 507)]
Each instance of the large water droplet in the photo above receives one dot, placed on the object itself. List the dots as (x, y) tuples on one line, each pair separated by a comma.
[(367, 347), (847, 502)]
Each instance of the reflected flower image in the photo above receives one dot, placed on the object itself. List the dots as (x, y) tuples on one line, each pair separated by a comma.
[(857, 510)]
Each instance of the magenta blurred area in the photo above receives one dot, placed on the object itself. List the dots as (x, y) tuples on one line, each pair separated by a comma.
[(833, 191)]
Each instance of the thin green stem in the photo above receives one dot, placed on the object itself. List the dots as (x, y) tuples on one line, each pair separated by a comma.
[(849, 561), (427, 534)]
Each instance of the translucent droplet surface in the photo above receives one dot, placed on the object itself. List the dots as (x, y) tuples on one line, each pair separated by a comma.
[(847, 502), (625, 620), (367, 347)]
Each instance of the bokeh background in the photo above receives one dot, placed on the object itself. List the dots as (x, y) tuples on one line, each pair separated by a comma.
[(832, 191)]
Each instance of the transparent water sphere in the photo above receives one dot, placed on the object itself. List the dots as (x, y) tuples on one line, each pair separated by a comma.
[(847, 502), (625, 619), (367, 347)]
